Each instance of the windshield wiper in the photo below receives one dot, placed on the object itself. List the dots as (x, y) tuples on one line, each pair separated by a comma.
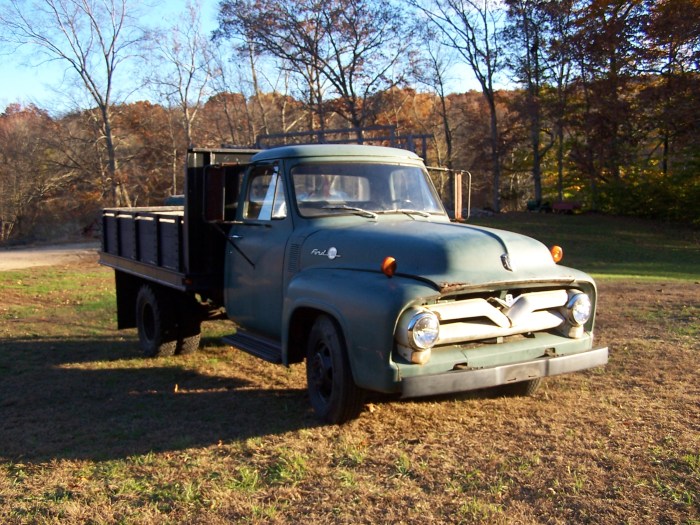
[(358, 211), (407, 211)]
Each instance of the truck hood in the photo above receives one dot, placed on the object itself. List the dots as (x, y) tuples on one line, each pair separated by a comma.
[(451, 256)]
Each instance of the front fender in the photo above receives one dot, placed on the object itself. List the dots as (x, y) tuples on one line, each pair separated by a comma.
[(366, 306)]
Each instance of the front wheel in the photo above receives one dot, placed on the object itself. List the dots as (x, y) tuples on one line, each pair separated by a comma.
[(332, 391)]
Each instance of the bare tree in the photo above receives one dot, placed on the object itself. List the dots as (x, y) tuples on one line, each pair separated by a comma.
[(434, 73), (93, 38), (473, 28), (184, 67), (356, 46)]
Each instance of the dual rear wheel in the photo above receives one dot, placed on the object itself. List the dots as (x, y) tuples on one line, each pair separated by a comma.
[(167, 322)]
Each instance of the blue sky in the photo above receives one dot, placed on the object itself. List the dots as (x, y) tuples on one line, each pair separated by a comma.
[(42, 85)]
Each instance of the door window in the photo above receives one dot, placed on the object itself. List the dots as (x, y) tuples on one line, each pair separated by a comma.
[(265, 198)]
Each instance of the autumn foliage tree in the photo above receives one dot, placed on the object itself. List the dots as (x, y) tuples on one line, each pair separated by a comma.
[(28, 177), (93, 38)]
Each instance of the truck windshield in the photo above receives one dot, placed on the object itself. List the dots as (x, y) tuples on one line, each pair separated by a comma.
[(363, 189)]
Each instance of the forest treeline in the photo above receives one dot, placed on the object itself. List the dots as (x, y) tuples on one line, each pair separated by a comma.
[(599, 107)]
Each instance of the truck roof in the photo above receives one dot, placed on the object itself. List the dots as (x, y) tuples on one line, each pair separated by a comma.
[(336, 150)]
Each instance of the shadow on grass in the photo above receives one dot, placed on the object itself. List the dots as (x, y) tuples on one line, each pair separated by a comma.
[(54, 404)]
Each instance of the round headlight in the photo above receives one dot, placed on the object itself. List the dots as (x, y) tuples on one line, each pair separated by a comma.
[(579, 307), (423, 330)]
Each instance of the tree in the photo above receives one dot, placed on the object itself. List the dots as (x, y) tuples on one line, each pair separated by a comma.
[(672, 54), (433, 73), (93, 38), (474, 30), (183, 68), (356, 46), (606, 49), (26, 176), (234, 117), (526, 35), (150, 132), (560, 17)]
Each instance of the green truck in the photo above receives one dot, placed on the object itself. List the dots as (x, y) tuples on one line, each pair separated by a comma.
[(343, 256)]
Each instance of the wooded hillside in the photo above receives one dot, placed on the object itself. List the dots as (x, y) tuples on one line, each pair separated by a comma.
[(601, 106)]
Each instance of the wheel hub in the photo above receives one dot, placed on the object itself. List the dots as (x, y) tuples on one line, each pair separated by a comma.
[(322, 372)]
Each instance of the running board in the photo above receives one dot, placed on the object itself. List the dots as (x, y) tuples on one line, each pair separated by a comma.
[(261, 347)]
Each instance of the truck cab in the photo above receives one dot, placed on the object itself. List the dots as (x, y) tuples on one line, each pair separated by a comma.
[(343, 257)]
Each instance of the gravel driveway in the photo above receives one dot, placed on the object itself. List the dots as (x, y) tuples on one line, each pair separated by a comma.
[(25, 257)]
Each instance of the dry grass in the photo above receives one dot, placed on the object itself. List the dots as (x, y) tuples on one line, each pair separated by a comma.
[(93, 433)]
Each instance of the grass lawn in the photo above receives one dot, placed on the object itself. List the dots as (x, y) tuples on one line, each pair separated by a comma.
[(608, 247), (91, 432)]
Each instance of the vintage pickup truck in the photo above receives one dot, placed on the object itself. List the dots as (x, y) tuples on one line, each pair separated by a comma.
[(344, 257)]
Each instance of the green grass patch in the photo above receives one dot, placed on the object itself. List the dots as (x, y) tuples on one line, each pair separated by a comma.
[(611, 247)]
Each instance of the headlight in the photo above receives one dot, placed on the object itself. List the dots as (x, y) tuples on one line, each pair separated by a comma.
[(423, 330), (579, 308)]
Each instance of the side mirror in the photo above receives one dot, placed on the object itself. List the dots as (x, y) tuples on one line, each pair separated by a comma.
[(455, 189)]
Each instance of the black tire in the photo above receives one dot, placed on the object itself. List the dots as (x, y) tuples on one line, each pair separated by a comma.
[(189, 337), (155, 322), (521, 388), (189, 325), (332, 391)]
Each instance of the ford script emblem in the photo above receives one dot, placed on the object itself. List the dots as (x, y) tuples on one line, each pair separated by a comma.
[(331, 253)]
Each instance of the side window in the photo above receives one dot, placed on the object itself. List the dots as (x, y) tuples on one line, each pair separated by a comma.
[(265, 195)]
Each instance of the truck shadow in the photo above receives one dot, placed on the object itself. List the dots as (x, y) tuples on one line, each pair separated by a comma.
[(55, 404)]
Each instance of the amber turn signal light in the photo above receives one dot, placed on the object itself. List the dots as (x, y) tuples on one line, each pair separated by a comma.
[(557, 253), (389, 266)]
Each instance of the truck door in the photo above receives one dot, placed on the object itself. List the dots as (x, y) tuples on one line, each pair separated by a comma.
[(255, 254)]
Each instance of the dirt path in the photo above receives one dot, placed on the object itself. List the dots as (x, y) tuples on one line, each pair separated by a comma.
[(27, 257)]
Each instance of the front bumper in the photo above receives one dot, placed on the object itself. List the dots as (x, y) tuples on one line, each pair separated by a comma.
[(465, 380)]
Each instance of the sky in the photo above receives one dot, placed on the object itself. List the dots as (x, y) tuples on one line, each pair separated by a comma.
[(41, 85)]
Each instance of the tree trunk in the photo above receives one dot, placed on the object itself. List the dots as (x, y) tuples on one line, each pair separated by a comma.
[(536, 153), (560, 161), (495, 156)]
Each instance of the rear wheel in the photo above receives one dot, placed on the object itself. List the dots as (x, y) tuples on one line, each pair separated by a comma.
[(189, 336), (189, 325), (332, 391), (155, 323)]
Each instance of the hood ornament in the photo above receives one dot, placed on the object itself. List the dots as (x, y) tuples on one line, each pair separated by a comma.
[(505, 261)]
